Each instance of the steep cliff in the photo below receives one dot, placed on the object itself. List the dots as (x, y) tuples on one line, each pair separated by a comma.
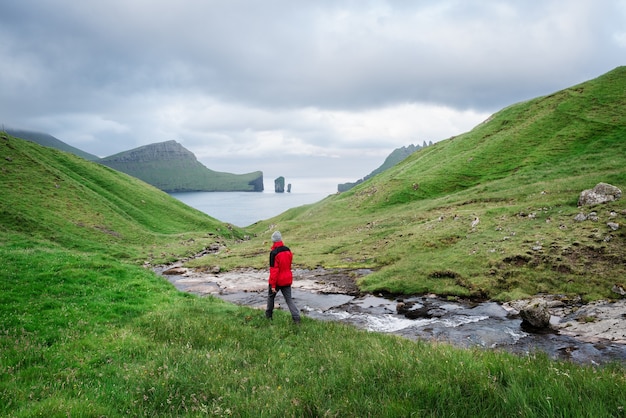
[(172, 168)]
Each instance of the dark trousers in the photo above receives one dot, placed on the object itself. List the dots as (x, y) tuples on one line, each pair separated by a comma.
[(286, 291)]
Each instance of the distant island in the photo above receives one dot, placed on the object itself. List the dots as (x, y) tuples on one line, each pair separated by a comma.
[(167, 166), (172, 168)]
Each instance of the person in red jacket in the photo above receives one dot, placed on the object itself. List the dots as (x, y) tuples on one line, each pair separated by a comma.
[(281, 277)]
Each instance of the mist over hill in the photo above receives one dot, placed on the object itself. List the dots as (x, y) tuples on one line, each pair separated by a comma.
[(50, 141)]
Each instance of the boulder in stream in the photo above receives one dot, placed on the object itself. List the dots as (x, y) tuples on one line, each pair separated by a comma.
[(536, 314)]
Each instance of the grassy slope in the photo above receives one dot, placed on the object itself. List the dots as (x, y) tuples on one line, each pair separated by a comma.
[(412, 222), (55, 197), (392, 159), (49, 141)]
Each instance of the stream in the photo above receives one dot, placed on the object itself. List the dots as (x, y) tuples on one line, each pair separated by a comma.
[(333, 297)]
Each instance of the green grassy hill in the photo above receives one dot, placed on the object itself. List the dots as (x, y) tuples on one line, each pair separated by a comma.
[(55, 198), (171, 167), (520, 173)]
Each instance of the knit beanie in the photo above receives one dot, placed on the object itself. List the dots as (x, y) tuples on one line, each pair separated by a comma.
[(277, 237)]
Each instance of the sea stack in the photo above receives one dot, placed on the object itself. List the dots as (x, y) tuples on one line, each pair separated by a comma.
[(279, 185)]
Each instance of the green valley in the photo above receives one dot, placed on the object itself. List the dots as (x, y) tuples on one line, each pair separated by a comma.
[(88, 329)]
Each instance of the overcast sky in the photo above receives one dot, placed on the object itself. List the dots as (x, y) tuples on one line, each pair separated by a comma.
[(293, 88)]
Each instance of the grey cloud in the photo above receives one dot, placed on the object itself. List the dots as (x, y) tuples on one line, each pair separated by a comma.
[(343, 56), (118, 74)]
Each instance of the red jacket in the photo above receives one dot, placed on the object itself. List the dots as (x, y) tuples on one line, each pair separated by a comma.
[(280, 266)]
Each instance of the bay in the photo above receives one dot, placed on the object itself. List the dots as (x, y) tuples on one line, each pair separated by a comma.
[(245, 208)]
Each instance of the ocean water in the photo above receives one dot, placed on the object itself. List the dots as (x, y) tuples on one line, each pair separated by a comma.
[(245, 208)]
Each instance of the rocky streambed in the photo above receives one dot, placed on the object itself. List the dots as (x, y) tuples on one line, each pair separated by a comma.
[(584, 333)]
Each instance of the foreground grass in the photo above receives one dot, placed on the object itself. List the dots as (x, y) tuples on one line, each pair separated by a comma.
[(85, 335)]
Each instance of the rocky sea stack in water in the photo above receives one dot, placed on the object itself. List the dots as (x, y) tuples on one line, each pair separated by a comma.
[(279, 185)]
